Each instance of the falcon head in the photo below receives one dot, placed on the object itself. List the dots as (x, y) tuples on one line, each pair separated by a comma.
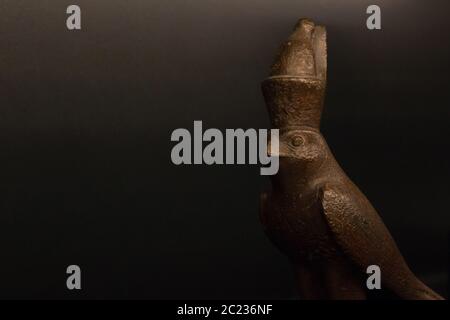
[(304, 147)]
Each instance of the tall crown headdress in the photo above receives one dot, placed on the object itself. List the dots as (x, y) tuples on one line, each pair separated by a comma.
[(295, 89)]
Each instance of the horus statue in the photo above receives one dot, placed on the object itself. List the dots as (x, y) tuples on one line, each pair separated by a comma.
[(314, 213)]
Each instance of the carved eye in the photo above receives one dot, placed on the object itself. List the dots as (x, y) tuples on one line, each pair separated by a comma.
[(297, 141)]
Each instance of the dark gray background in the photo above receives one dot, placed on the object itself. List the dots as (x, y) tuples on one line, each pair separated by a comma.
[(86, 118)]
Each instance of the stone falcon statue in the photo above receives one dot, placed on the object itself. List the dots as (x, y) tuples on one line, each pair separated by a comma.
[(315, 214)]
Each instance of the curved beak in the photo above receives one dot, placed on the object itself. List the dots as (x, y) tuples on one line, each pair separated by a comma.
[(277, 150)]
